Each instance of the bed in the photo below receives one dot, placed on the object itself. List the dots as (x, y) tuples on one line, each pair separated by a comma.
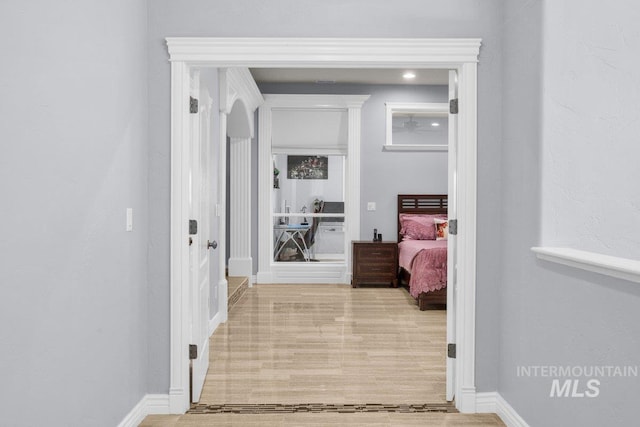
[(422, 247)]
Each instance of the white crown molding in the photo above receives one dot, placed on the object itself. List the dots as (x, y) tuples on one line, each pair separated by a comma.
[(621, 268), (237, 83), (317, 52)]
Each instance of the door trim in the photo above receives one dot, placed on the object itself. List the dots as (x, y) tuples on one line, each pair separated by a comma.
[(458, 54), (270, 271)]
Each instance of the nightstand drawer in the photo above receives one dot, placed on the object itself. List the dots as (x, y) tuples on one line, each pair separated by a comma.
[(364, 269), (376, 253)]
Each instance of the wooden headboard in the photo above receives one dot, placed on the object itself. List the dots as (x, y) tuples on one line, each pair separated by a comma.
[(420, 204)]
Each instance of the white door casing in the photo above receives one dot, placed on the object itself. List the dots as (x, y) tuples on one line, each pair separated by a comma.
[(319, 272), (454, 54)]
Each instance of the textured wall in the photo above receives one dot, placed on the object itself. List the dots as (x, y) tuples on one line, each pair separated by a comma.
[(73, 157), (578, 84), (591, 127)]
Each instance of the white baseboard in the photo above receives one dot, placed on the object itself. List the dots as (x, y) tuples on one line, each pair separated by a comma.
[(494, 403), (466, 400), (150, 404), (136, 415), (157, 404), (214, 323)]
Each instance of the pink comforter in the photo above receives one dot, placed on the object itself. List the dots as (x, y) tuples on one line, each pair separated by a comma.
[(426, 260)]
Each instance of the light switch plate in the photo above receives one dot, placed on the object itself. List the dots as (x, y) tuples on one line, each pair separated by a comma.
[(371, 206), (129, 219)]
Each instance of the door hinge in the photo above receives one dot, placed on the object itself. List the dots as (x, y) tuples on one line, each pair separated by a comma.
[(193, 226), (453, 106), (193, 105), (451, 351), (453, 227), (193, 351)]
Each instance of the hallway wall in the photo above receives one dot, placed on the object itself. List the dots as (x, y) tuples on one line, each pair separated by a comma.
[(330, 18), (73, 158), (569, 172)]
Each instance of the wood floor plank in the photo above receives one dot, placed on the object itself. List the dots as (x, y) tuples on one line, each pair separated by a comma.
[(327, 345), (302, 343)]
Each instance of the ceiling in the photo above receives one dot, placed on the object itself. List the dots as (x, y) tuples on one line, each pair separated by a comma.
[(348, 75)]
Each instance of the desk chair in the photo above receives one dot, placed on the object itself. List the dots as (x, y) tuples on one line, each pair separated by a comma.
[(310, 236)]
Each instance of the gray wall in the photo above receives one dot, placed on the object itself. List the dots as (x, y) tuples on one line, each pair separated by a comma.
[(554, 166), (85, 327), (590, 127), (73, 157), (331, 18)]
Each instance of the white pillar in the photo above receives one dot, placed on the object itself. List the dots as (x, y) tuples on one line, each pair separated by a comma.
[(352, 204), (240, 262)]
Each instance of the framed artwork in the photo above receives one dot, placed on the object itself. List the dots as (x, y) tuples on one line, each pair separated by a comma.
[(308, 167)]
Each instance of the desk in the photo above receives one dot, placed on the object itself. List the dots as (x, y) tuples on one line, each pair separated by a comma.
[(286, 232)]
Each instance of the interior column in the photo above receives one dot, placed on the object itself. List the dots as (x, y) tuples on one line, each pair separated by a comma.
[(240, 262)]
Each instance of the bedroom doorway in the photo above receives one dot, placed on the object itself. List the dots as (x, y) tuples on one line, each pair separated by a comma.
[(313, 141), (460, 55)]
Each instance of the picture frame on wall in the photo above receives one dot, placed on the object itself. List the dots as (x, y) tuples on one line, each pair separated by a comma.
[(308, 167)]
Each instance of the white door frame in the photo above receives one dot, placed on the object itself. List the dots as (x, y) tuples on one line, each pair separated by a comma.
[(458, 54), (270, 271)]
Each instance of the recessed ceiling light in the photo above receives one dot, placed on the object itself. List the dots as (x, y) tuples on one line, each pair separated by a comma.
[(409, 75), (435, 124)]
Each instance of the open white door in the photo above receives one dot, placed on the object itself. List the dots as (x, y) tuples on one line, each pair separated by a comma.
[(452, 240), (199, 211)]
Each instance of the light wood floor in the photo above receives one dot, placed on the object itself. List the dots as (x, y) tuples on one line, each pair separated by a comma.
[(327, 344)]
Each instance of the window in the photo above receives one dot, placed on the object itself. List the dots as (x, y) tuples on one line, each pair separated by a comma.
[(417, 127), (308, 208)]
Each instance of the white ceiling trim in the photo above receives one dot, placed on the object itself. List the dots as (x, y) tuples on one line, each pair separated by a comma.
[(323, 52)]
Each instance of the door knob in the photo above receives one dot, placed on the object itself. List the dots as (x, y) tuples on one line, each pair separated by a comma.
[(213, 244)]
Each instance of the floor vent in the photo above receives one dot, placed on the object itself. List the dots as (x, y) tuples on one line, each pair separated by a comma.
[(318, 407)]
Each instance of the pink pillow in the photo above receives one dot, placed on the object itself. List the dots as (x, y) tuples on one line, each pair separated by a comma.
[(419, 226), (442, 229)]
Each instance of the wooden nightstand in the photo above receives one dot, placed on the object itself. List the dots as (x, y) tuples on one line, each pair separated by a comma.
[(375, 262)]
